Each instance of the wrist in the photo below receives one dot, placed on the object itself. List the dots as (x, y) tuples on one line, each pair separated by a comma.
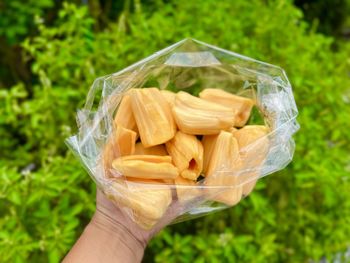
[(117, 237)]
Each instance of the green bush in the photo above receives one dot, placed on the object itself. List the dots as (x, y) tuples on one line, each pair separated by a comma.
[(299, 214), (16, 23)]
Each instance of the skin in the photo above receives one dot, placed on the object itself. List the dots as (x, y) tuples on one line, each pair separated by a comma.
[(111, 236)]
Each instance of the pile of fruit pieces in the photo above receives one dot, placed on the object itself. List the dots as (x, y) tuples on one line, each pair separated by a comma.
[(175, 139)]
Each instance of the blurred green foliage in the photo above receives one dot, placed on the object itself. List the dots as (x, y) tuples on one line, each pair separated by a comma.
[(299, 214), (17, 19), (330, 15)]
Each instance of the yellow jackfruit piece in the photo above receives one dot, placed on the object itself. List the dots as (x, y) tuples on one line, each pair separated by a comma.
[(221, 170), (208, 142), (146, 167), (254, 146), (125, 141), (200, 117), (153, 116), (148, 201), (187, 154), (124, 116), (241, 105), (121, 143)]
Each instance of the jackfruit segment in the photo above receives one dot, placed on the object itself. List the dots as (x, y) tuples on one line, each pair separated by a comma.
[(120, 144), (125, 141), (187, 154), (200, 117), (148, 204), (208, 142), (146, 167), (153, 116), (254, 145), (249, 134), (222, 169), (241, 105), (124, 116)]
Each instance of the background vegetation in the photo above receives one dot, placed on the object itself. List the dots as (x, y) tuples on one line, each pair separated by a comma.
[(50, 53)]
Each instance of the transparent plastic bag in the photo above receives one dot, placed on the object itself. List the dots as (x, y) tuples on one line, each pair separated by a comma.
[(191, 66)]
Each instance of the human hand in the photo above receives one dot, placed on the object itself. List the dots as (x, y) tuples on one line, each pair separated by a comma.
[(111, 236)]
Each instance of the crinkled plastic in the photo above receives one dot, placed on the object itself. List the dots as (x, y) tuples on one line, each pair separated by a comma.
[(190, 66)]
